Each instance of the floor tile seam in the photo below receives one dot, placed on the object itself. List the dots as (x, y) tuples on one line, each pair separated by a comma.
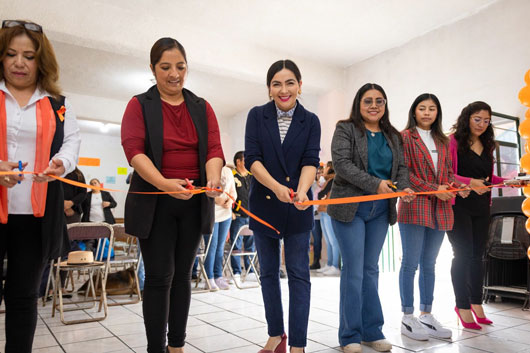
[(53, 335)]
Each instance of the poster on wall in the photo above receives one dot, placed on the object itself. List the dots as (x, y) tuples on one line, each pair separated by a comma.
[(110, 180), (122, 171)]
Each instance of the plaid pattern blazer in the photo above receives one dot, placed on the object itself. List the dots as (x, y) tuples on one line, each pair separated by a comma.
[(426, 210)]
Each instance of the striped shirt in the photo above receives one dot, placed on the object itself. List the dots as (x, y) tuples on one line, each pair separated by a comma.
[(284, 120)]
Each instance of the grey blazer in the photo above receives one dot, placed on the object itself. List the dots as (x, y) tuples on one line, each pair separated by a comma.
[(349, 151)]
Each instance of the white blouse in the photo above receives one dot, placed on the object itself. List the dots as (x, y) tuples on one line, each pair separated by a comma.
[(427, 139), (21, 144)]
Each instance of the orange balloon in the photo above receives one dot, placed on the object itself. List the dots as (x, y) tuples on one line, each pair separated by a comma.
[(527, 147), (524, 96), (525, 207), (527, 225), (524, 129), (527, 77), (528, 253), (526, 191), (525, 162), (527, 114)]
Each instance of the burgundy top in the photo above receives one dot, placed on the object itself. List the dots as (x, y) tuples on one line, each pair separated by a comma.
[(180, 157)]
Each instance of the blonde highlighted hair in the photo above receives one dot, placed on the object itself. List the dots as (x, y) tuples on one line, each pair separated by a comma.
[(48, 68)]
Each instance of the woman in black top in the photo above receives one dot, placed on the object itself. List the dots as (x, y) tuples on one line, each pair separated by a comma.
[(471, 148)]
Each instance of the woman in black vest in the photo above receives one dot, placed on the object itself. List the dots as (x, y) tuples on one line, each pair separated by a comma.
[(101, 199), (169, 136), (38, 132)]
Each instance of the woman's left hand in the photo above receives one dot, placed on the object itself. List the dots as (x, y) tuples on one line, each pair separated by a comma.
[(300, 197), (410, 196), (214, 184), (55, 168), (105, 204)]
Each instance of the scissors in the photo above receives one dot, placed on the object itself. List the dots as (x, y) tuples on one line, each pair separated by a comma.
[(20, 168)]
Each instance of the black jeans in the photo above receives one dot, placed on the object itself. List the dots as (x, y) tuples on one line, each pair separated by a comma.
[(168, 256), (468, 238), (21, 240)]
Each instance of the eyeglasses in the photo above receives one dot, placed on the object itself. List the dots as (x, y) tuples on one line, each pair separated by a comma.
[(380, 102), (479, 121), (30, 26)]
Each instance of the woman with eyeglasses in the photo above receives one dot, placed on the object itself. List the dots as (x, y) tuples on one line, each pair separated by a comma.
[(282, 142), (171, 139), (38, 132), (471, 145), (367, 155)]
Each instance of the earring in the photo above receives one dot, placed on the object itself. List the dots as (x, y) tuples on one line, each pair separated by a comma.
[(299, 91)]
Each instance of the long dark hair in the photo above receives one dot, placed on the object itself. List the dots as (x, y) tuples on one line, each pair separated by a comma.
[(436, 127), (357, 119), (462, 132)]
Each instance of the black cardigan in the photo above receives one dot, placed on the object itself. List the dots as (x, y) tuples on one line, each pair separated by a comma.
[(105, 196)]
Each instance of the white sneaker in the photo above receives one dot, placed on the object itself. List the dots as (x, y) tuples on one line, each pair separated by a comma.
[(213, 285), (352, 348), (323, 269), (251, 276), (379, 345), (332, 271), (433, 327), (221, 283), (412, 328)]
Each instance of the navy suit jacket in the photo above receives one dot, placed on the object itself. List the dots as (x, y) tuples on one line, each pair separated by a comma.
[(284, 163)]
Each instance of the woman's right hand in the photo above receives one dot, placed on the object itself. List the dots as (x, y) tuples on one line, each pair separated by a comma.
[(445, 196), (170, 185), (283, 193), (478, 186), (384, 187), (9, 180)]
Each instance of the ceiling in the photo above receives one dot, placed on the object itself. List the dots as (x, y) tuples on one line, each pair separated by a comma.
[(103, 46)]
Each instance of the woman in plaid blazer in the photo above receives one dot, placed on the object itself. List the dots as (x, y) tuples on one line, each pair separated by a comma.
[(424, 221)]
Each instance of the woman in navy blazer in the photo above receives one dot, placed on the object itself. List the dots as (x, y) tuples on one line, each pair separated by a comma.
[(282, 143)]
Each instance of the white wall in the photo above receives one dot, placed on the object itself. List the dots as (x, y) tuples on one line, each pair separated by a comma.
[(483, 57), (108, 149)]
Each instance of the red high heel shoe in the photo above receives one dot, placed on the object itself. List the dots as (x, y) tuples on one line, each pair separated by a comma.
[(471, 325), (481, 320), (280, 348)]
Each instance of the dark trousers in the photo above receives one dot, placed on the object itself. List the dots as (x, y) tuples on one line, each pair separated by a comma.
[(168, 256), (468, 238), (297, 265), (21, 240), (317, 241)]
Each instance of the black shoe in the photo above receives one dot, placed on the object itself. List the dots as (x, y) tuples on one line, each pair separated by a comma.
[(194, 276), (315, 266)]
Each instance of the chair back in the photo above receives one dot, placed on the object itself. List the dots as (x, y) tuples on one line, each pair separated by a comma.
[(245, 231), (89, 230)]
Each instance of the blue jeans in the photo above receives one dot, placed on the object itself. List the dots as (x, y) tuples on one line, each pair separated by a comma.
[(360, 242), (420, 246), (297, 264), (141, 271), (317, 241), (213, 264), (332, 245), (248, 243)]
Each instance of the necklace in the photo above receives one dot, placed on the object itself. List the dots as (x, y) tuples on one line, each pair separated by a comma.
[(372, 133)]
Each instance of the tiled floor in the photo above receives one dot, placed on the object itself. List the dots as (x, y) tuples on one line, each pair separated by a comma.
[(233, 321)]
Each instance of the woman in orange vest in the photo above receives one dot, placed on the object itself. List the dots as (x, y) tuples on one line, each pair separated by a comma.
[(38, 132)]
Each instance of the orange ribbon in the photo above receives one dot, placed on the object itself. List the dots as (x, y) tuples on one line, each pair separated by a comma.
[(61, 112), (200, 190)]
